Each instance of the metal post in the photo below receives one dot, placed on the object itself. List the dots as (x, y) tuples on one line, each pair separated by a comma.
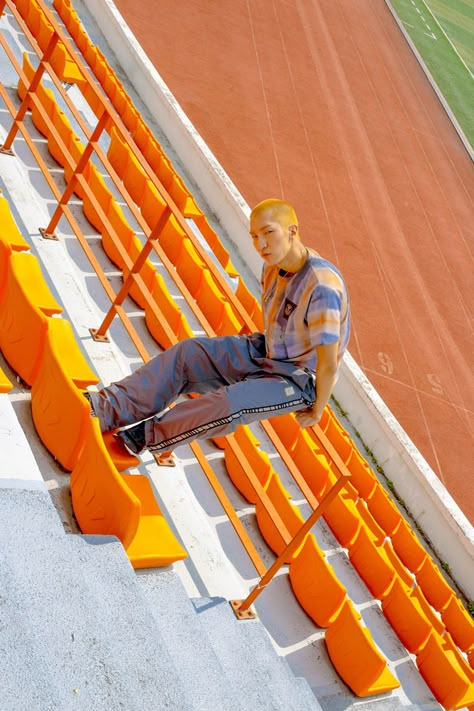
[(6, 147), (99, 334), (241, 607), (48, 232)]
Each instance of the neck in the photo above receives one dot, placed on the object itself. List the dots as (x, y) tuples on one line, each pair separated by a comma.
[(294, 261)]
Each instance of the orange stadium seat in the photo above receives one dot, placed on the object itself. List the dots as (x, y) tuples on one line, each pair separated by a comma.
[(258, 460), (339, 438), (250, 304), (315, 584), (289, 514), (148, 273), (403, 610), (459, 624), (287, 429), (408, 548), (216, 308), (306, 453), (119, 454), (343, 519), (312, 463), (5, 384), (384, 510), (372, 563), (42, 30), (165, 171), (69, 139), (355, 656), (99, 65), (362, 476), (151, 205), (60, 412), (76, 149), (142, 137), (172, 315), (435, 588), (91, 97), (401, 570), (191, 268), (45, 97), (103, 198), (221, 253), (150, 148), (11, 239), (27, 304), (123, 233), (182, 197), (106, 502), (446, 672), (135, 178), (50, 107), (171, 240)]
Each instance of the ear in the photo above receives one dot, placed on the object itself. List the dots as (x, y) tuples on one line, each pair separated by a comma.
[(293, 230)]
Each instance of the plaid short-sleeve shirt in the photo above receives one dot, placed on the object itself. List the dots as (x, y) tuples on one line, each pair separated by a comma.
[(303, 310)]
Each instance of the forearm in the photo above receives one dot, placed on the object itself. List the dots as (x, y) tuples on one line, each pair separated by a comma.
[(326, 376), (325, 380)]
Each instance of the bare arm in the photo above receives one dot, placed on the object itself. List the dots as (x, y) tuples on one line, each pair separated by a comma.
[(326, 374)]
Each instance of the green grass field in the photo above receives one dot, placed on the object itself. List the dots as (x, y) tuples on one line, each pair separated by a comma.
[(443, 33)]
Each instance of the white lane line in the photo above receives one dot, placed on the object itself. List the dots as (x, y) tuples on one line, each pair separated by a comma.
[(444, 33)]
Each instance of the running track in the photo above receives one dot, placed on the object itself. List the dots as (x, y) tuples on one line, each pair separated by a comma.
[(321, 102)]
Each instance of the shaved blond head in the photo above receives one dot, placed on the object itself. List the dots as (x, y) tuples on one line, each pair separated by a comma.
[(280, 210)]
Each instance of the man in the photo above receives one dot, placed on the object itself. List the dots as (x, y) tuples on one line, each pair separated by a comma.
[(292, 367)]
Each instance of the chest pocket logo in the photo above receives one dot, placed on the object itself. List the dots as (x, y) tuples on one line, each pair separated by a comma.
[(288, 309)]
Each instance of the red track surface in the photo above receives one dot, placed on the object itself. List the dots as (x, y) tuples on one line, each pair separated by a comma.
[(322, 102)]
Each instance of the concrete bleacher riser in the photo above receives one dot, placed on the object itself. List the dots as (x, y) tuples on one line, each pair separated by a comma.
[(220, 674)]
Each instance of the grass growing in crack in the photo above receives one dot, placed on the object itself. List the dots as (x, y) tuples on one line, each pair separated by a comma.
[(390, 485)]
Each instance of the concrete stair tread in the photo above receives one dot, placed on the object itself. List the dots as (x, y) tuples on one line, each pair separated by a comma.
[(249, 659), (181, 628), (75, 606)]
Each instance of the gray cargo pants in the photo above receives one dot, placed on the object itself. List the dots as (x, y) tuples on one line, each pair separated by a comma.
[(237, 384)]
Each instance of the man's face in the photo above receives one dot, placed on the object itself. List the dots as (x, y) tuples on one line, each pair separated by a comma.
[(271, 239)]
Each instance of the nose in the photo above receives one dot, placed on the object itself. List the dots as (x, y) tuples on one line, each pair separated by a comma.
[(261, 242)]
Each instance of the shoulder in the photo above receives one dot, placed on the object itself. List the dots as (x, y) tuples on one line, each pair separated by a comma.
[(324, 273)]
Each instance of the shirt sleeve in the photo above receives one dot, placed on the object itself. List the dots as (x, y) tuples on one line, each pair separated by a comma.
[(324, 315)]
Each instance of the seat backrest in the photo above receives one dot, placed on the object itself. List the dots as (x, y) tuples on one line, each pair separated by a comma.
[(27, 303), (258, 461), (444, 670), (315, 584), (372, 564), (353, 651), (289, 514), (60, 412), (460, 624), (172, 316), (408, 547), (102, 502), (405, 615), (384, 510), (435, 588)]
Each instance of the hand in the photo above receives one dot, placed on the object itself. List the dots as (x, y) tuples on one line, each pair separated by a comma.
[(308, 418)]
